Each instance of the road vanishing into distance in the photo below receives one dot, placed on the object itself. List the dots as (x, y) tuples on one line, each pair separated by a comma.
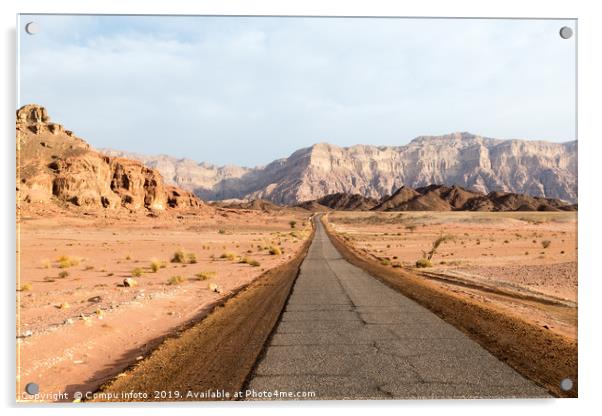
[(344, 334)]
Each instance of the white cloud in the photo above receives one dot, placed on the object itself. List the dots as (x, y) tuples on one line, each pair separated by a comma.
[(233, 90)]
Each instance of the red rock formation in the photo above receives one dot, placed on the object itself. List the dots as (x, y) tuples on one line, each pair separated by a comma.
[(53, 165)]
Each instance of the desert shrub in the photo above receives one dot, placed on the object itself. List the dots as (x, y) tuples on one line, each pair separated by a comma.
[(250, 261), (178, 257), (275, 251), (46, 264), (293, 223), (440, 240), (421, 263), (385, 262), (66, 261), (191, 258), (137, 272), (205, 275), (228, 255), (49, 279), (88, 268), (411, 227), (155, 265), (63, 274), (128, 257), (546, 243), (221, 231), (26, 287), (176, 280)]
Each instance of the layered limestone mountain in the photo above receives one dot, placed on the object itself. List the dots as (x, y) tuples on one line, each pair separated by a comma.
[(54, 165), (535, 168)]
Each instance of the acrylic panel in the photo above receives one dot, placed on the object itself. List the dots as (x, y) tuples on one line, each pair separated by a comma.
[(295, 208)]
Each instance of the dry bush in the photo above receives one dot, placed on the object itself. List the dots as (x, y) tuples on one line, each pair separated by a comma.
[(176, 280), (205, 275), (250, 261), (421, 263), (67, 261), (228, 255), (155, 265), (178, 257), (435, 246)]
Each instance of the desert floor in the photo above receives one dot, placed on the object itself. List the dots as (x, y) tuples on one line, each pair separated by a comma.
[(522, 263), (79, 325)]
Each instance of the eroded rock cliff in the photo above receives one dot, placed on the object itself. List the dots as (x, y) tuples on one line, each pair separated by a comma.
[(535, 168), (53, 165)]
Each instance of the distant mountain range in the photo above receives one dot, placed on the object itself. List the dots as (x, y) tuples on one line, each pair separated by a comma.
[(536, 168)]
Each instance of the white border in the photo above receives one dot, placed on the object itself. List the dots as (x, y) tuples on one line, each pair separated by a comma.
[(590, 151)]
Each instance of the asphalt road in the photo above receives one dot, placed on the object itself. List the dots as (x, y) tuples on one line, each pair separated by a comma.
[(344, 334)]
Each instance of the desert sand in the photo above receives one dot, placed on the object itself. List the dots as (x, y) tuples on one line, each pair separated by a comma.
[(522, 263), (79, 322)]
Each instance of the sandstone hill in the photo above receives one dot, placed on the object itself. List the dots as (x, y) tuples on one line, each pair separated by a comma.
[(534, 168), (54, 165), (456, 198)]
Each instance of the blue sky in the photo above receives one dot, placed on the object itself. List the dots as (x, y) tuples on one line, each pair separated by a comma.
[(232, 90)]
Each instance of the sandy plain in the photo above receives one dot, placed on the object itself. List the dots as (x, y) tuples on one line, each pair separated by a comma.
[(522, 263), (79, 325)]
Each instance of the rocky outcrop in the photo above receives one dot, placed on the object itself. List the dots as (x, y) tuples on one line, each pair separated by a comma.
[(53, 165), (535, 168)]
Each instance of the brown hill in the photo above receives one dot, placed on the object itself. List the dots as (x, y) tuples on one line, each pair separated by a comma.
[(313, 206), (399, 198), (55, 166), (348, 202), (456, 198)]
